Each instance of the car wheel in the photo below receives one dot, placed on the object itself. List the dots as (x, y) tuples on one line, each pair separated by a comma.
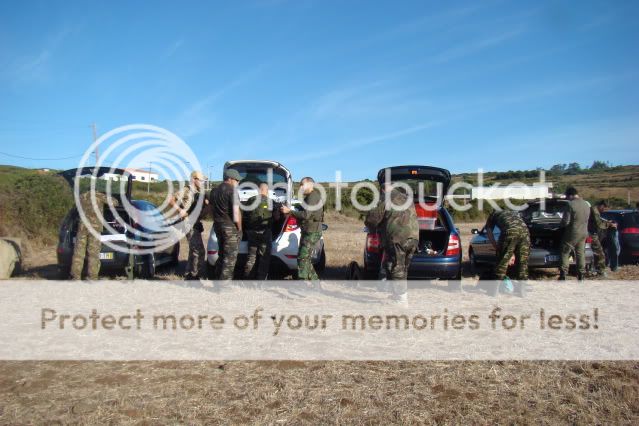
[(473, 264), (321, 263), (147, 269), (175, 255)]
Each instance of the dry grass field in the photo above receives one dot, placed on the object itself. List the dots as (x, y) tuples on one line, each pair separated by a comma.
[(292, 392)]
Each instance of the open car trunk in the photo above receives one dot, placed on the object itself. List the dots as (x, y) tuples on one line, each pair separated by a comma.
[(429, 185), (545, 223), (254, 172), (433, 232)]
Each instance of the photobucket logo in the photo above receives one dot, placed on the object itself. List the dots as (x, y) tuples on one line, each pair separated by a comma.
[(425, 191), (134, 227)]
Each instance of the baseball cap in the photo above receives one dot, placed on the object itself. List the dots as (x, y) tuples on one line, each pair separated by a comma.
[(232, 174)]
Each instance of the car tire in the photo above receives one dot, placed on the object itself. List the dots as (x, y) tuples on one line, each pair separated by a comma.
[(472, 260), (147, 269), (175, 256), (320, 266)]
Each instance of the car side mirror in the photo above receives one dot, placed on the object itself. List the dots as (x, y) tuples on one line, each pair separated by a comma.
[(324, 227), (474, 231)]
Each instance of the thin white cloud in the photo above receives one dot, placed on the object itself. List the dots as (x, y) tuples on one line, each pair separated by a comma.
[(476, 46), (360, 143), (34, 66), (172, 48), (199, 116)]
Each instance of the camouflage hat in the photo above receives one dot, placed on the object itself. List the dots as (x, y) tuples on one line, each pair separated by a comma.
[(232, 174)]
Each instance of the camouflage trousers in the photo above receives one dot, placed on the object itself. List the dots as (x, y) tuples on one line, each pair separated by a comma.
[(397, 258), (305, 269), (515, 242), (578, 245), (258, 260), (598, 251), (87, 248), (228, 239), (197, 254)]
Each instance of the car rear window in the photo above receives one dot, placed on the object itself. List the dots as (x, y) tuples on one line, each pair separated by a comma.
[(258, 173)]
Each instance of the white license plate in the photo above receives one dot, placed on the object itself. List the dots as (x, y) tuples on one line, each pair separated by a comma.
[(106, 256), (553, 258)]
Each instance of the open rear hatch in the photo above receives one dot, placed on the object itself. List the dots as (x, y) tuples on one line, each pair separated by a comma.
[(254, 172), (119, 183), (429, 185)]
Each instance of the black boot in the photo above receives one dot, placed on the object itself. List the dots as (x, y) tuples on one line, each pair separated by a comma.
[(580, 277), (562, 276)]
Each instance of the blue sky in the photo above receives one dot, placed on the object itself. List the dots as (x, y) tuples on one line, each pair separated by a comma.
[(327, 85)]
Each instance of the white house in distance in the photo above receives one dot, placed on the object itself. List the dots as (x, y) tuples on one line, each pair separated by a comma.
[(139, 175)]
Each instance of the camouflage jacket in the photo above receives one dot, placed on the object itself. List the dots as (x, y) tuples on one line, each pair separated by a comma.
[(595, 223), (187, 199), (311, 219), (507, 221), (396, 225), (90, 213), (259, 218)]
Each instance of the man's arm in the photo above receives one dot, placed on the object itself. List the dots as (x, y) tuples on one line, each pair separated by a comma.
[(375, 216)]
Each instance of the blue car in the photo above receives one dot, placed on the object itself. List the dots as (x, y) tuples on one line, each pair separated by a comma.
[(439, 254)]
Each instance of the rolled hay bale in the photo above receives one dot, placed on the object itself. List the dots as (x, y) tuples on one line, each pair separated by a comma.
[(10, 257)]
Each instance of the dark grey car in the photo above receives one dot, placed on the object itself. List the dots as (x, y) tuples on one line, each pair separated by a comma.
[(112, 261), (544, 224)]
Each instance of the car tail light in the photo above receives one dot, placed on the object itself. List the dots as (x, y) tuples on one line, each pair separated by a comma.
[(291, 256), (454, 245), (373, 243), (630, 231), (212, 252), (291, 224), (588, 239)]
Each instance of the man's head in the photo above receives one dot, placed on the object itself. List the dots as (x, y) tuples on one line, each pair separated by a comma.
[(232, 176), (307, 184), (197, 178), (601, 206), (571, 193), (263, 189)]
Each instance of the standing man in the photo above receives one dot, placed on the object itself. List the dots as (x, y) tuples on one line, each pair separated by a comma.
[(227, 223), (87, 248), (185, 202), (310, 221), (258, 223), (514, 239), (575, 223), (596, 227), (395, 219)]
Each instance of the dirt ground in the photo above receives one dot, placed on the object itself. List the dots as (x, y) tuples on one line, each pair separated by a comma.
[(292, 392)]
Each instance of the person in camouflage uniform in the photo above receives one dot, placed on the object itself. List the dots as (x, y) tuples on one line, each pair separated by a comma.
[(185, 202), (258, 223), (596, 227), (87, 248), (396, 221), (514, 239), (575, 223), (310, 222), (227, 224)]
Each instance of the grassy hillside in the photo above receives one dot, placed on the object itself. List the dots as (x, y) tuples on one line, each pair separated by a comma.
[(33, 202)]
